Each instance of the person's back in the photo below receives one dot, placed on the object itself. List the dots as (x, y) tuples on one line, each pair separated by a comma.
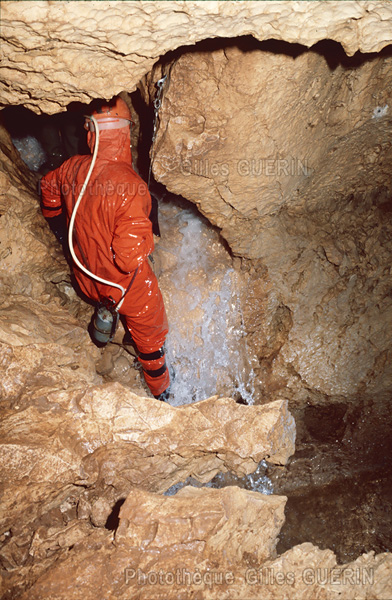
[(113, 237)]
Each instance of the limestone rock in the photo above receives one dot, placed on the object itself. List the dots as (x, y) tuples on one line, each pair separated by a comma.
[(242, 156), (43, 352), (199, 439), (46, 541), (100, 512), (49, 47), (206, 544), (32, 261), (201, 521), (108, 439), (261, 171)]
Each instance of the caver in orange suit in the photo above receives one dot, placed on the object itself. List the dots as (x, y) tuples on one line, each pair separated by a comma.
[(113, 234)]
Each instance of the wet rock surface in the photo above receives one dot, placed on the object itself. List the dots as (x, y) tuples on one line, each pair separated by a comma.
[(367, 495), (317, 305), (200, 544), (340, 475), (86, 457), (118, 43), (104, 437)]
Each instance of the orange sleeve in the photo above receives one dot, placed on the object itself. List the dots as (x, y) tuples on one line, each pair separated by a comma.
[(50, 187)]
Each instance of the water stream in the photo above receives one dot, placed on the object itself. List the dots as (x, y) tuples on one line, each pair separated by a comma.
[(206, 347)]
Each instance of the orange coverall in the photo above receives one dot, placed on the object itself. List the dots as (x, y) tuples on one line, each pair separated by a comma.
[(112, 237)]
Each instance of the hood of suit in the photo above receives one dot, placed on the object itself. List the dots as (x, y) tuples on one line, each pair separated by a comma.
[(114, 144)]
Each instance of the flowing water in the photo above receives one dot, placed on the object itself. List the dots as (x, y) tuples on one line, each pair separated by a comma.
[(256, 481), (340, 509), (206, 347)]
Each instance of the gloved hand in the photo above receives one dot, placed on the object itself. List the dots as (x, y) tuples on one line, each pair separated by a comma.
[(58, 227)]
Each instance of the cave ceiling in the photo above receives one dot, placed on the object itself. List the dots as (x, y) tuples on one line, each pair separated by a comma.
[(56, 52)]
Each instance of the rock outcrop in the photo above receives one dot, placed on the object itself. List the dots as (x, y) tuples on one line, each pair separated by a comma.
[(58, 52), (109, 440), (206, 544), (298, 182)]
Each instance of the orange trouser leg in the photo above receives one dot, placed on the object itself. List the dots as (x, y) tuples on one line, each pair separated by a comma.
[(149, 329), (155, 371)]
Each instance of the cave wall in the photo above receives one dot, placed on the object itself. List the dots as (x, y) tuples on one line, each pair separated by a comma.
[(64, 434), (57, 52), (289, 153)]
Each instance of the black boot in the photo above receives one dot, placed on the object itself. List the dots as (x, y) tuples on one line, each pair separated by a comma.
[(164, 396)]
